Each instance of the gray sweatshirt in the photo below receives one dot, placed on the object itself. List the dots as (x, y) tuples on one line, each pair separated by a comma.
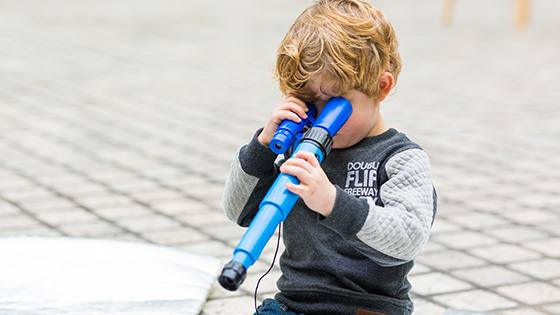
[(358, 258)]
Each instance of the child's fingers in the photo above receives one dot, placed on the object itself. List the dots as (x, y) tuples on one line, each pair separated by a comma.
[(307, 157), (296, 189), (302, 165), (301, 161), (295, 105), (297, 170), (282, 115)]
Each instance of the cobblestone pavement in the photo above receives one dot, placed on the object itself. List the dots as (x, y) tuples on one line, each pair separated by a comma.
[(118, 120)]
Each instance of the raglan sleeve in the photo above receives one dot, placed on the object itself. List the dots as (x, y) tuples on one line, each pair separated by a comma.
[(394, 233), (252, 173)]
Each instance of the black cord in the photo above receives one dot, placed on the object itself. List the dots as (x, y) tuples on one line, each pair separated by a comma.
[(269, 269)]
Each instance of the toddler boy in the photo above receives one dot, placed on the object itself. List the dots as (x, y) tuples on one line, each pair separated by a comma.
[(367, 210)]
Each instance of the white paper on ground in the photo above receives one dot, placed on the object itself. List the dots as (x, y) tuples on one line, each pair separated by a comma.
[(87, 276)]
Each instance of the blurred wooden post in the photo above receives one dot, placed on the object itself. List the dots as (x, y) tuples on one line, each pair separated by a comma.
[(521, 12), (448, 9)]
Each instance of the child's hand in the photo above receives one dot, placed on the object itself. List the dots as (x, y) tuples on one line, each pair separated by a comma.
[(315, 188), (289, 108)]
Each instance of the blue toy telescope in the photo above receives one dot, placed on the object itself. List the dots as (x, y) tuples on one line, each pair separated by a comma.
[(279, 201)]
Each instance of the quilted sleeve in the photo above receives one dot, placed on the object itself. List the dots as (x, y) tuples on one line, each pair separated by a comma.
[(237, 190), (395, 232), (252, 172), (402, 226)]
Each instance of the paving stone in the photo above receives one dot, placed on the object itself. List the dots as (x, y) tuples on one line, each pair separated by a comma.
[(204, 219), (154, 195), (549, 247), (436, 283), (552, 309), (490, 276), (242, 305), (149, 223), (179, 206), (227, 232), (206, 191), (108, 174), (522, 311), (55, 204), (122, 211), (532, 293), (7, 209), (552, 228), (27, 194), (532, 216), (58, 178), (267, 286), (36, 230), (9, 180), (105, 200), (452, 311), (67, 217), (210, 247), (476, 300), (504, 253), (423, 307), (431, 247), (463, 240), (131, 185), (444, 226), (545, 269), (81, 189), (94, 229), (173, 237), (419, 269), (477, 220), (516, 234), (449, 260), (17, 223)]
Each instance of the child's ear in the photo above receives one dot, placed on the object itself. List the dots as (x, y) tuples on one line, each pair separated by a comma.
[(385, 85)]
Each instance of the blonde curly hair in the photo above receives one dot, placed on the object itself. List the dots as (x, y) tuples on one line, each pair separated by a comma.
[(348, 44)]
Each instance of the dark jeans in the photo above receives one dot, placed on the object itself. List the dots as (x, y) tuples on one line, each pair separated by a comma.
[(271, 307)]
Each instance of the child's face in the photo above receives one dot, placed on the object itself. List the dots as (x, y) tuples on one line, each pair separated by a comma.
[(365, 120)]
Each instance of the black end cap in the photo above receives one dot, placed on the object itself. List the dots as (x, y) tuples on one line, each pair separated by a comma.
[(232, 276)]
